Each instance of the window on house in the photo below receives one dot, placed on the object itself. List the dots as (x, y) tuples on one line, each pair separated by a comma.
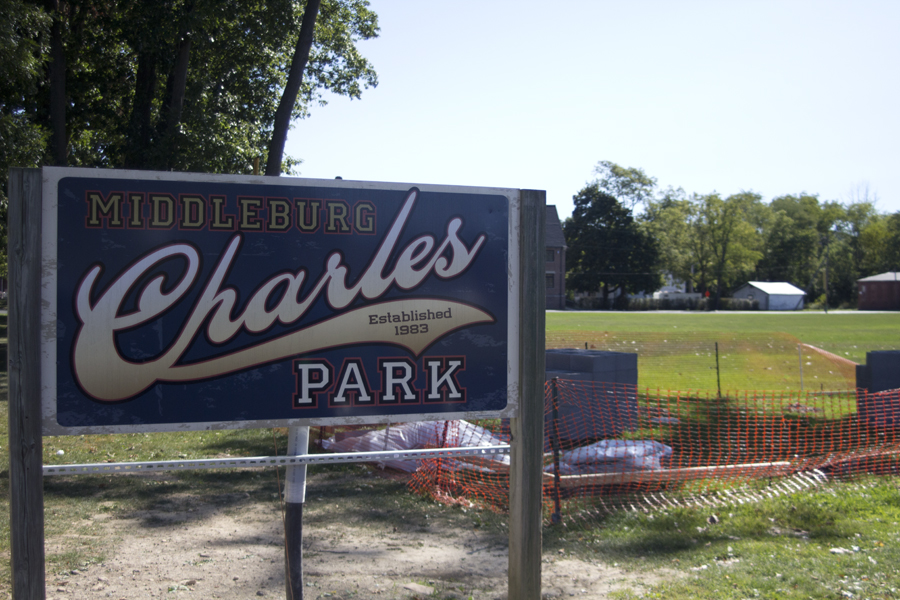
[(550, 281), (551, 255)]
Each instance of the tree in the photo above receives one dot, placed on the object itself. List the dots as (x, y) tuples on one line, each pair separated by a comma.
[(880, 244), (627, 184), (607, 250), (705, 241), (733, 239), (859, 216), (185, 84), (292, 88), (23, 29), (808, 237), (792, 247), (181, 85), (683, 254)]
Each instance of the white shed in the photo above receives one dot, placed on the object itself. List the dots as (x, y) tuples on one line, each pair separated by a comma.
[(772, 295)]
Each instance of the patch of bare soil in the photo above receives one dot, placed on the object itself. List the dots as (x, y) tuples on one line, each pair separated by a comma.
[(195, 547)]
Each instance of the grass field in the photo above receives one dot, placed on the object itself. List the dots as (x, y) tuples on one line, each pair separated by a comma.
[(757, 351)]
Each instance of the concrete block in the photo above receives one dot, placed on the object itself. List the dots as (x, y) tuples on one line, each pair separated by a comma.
[(598, 411), (884, 370), (557, 361), (570, 375), (880, 373)]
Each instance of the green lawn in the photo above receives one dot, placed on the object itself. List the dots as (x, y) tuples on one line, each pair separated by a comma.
[(839, 542), (757, 351), (836, 331)]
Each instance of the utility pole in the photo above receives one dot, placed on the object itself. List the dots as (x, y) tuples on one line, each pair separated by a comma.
[(826, 278), (825, 243)]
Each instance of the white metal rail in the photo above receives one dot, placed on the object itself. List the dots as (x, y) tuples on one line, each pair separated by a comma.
[(271, 461)]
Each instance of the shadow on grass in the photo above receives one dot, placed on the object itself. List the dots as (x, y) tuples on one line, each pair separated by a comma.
[(353, 493), (714, 431), (244, 446), (821, 517), (163, 498)]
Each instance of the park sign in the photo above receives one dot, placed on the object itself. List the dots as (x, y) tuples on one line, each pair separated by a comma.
[(175, 301)]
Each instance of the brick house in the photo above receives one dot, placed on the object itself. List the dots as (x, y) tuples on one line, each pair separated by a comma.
[(555, 261)]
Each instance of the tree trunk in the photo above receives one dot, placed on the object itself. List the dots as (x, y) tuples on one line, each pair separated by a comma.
[(58, 139), (179, 83), (292, 89), (720, 271), (173, 105), (138, 140)]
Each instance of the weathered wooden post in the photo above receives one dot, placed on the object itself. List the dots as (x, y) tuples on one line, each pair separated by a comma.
[(26, 502), (526, 466)]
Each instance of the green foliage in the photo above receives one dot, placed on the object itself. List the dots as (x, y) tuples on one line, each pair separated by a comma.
[(627, 184), (728, 225), (880, 244), (668, 221), (607, 250), (123, 65), (124, 62), (22, 26), (792, 246), (805, 236), (177, 85), (23, 29), (707, 241)]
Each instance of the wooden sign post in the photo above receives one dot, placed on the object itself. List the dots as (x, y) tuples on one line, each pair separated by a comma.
[(26, 491), (527, 443)]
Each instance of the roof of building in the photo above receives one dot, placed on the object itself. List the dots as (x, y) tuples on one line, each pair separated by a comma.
[(889, 276), (777, 288), (553, 233)]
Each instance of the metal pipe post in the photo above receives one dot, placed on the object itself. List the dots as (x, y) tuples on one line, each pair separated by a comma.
[(294, 497)]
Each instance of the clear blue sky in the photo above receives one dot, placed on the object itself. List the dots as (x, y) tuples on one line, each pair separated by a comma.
[(777, 97)]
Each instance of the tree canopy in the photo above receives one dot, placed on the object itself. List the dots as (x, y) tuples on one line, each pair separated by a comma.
[(626, 184), (185, 85)]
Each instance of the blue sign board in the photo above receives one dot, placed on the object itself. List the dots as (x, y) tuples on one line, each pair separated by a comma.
[(194, 301)]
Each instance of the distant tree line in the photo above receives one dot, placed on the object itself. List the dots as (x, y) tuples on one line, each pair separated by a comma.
[(625, 235)]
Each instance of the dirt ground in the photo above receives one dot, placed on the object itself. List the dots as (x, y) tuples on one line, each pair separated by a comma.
[(218, 547)]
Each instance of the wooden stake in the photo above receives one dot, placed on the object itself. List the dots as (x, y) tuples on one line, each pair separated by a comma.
[(556, 517)]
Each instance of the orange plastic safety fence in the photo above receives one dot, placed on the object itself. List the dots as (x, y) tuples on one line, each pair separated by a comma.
[(611, 445)]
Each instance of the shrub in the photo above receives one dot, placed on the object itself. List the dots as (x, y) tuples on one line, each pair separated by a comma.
[(640, 304)]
